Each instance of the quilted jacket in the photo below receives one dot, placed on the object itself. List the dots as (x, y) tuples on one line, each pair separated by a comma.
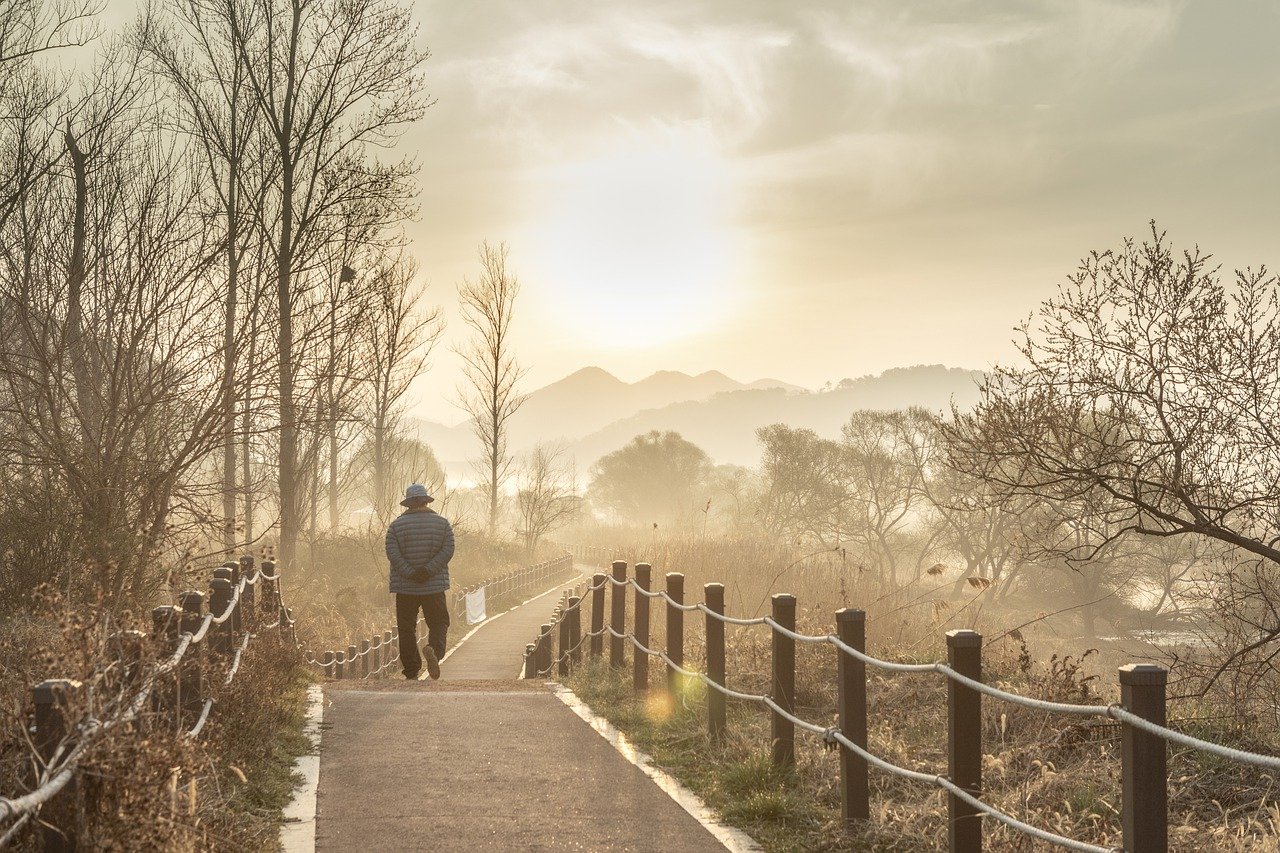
[(419, 547)]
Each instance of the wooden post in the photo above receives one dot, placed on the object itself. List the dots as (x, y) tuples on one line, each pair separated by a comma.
[(575, 630), (618, 616), (855, 791), (339, 665), (389, 642), (1144, 800), (166, 621), (597, 614), (328, 662), (219, 600), (531, 661), (237, 612), (675, 633), (783, 731), (270, 590), (713, 597), (364, 658), (544, 651), (190, 673), (53, 699), (964, 741), (640, 661), (562, 666), (353, 666), (250, 593)]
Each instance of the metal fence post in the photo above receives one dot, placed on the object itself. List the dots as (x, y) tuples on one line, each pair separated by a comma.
[(52, 700), (713, 597), (640, 663), (1144, 778), (964, 741), (618, 616), (675, 633), (855, 792), (782, 730), (597, 614)]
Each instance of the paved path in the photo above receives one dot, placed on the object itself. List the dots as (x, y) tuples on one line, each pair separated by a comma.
[(480, 763)]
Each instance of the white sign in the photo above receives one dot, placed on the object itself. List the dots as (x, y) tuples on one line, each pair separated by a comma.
[(475, 606)]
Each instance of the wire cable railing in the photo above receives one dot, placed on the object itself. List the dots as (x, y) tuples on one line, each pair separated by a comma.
[(1141, 711)]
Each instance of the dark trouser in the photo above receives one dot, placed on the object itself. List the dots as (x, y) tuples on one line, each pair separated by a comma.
[(435, 609)]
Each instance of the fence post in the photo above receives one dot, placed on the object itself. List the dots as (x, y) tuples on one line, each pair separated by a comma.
[(364, 658), (562, 665), (352, 667), (166, 620), (191, 675), (530, 661), (782, 730), (219, 600), (52, 699), (675, 633), (964, 740), (1144, 779), (855, 792), (328, 662), (250, 594), (380, 655), (575, 630), (339, 665), (543, 652), (389, 641), (597, 614), (640, 663), (237, 621), (713, 597), (618, 616), (270, 592)]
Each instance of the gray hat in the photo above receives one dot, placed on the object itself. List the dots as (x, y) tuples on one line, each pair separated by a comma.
[(416, 495)]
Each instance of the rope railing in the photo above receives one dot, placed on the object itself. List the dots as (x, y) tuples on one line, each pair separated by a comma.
[(1141, 711), (61, 743), (377, 656)]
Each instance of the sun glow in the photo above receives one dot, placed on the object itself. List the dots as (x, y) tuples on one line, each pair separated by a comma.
[(637, 248)]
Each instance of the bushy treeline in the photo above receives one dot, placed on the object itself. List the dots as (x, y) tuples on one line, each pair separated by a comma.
[(208, 321)]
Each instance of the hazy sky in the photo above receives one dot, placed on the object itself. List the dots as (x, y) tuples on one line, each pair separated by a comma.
[(817, 190)]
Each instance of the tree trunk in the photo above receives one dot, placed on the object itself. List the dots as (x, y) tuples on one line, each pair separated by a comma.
[(229, 371), (287, 468)]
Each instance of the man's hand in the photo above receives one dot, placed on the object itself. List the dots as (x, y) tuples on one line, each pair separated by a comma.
[(419, 575)]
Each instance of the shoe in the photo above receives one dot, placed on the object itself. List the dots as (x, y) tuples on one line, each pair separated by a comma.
[(432, 662), (411, 676)]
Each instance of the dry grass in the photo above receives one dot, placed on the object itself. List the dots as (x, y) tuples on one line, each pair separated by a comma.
[(1057, 773), (146, 786)]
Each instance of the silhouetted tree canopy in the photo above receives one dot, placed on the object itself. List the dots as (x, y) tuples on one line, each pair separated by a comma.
[(658, 477)]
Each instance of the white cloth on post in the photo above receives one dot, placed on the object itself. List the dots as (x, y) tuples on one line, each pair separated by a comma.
[(475, 606)]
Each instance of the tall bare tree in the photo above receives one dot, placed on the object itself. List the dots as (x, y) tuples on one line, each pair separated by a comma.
[(547, 496), (492, 375), (331, 78)]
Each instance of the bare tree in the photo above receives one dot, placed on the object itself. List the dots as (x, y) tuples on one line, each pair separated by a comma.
[(193, 51), (547, 496), (1150, 393), (492, 374), (401, 337), (330, 78)]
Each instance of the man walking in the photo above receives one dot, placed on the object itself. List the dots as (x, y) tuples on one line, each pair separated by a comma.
[(419, 546)]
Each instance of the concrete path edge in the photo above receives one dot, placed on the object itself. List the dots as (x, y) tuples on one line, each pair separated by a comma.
[(734, 839), (298, 832)]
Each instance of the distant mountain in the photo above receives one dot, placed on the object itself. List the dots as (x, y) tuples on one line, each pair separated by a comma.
[(586, 402), (725, 425)]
